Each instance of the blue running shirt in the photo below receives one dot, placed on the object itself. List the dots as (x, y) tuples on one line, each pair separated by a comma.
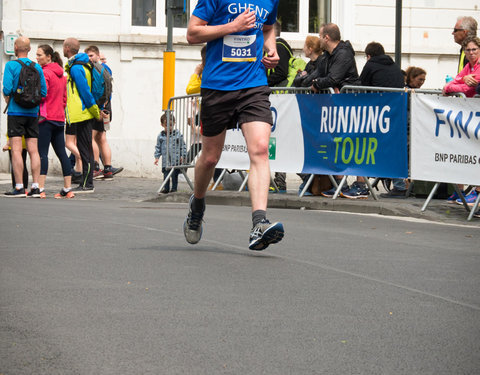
[(234, 61)]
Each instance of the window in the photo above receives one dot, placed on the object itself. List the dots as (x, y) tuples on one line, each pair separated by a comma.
[(319, 13), (293, 15), (144, 13)]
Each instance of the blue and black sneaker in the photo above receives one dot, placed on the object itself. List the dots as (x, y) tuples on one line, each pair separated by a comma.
[(16, 193), (357, 191), (265, 233)]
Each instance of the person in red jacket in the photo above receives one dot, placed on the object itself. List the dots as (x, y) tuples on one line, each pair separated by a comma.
[(52, 119)]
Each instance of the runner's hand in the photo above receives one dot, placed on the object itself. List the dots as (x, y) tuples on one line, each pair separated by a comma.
[(245, 21), (271, 59)]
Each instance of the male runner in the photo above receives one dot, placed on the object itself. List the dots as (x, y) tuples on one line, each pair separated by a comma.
[(234, 92)]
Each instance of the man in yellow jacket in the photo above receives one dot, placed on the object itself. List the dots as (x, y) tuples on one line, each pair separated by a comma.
[(81, 110)]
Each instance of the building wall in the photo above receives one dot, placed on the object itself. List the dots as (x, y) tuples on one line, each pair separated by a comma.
[(135, 54)]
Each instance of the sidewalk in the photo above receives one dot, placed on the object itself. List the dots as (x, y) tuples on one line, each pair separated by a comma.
[(145, 190)]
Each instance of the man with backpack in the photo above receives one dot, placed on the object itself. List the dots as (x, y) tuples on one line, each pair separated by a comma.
[(81, 110), (100, 144), (24, 87)]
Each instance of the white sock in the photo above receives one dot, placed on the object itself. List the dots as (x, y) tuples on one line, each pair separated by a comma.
[(42, 189), (18, 186), (35, 185), (66, 190)]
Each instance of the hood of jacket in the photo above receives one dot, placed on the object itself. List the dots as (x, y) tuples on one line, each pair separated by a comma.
[(382, 60), (83, 57), (54, 68)]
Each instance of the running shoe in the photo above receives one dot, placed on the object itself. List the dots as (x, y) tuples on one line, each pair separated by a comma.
[(477, 214), (357, 191), (16, 193), (192, 227), (453, 198), (64, 195), (83, 190), (34, 193), (116, 170), (97, 174), (470, 198), (43, 195), (330, 193), (107, 175), (264, 234)]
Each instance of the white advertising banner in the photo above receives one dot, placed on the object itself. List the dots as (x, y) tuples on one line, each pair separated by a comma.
[(445, 139), (286, 147)]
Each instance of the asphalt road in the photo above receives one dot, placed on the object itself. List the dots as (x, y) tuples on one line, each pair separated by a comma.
[(111, 287)]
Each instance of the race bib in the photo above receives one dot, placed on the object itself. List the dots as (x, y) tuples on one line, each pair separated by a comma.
[(239, 48)]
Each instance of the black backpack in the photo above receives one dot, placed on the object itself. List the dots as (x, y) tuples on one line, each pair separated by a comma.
[(29, 89)]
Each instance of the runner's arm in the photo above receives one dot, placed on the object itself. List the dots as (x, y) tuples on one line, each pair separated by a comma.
[(200, 32)]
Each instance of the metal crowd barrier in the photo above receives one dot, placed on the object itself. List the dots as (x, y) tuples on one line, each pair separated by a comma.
[(184, 112)]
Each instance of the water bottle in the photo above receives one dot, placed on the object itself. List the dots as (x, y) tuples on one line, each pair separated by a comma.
[(448, 78)]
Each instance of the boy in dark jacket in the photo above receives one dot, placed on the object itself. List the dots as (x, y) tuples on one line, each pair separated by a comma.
[(380, 70)]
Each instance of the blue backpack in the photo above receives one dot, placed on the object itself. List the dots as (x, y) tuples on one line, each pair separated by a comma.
[(101, 82)]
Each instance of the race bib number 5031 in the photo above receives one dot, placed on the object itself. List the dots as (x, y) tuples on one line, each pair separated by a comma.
[(239, 48)]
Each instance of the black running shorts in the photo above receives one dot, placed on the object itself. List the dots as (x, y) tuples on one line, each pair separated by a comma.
[(22, 125), (225, 109), (98, 125), (71, 129)]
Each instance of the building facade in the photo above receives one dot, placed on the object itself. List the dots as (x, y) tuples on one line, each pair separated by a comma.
[(133, 36)]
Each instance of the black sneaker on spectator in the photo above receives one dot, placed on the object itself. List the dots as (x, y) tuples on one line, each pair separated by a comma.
[(477, 214), (16, 193), (116, 170), (83, 190), (330, 193), (394, 193), (34, 193)]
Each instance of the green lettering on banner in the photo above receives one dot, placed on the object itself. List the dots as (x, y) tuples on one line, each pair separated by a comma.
[(359, 149), (272, 148)]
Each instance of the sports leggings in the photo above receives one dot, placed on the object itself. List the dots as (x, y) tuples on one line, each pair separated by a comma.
[(51, 132)]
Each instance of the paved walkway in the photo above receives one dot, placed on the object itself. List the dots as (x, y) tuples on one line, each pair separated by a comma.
[(145, 189)]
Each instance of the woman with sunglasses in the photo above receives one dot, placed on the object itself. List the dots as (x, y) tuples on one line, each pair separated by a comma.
[(471, 47)]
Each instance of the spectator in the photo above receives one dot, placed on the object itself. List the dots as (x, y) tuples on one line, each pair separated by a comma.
[(278, 75), (52, 123), (81, 109), (465, 26), (381, 71), (22, 121), (472, 52), (312, 51), (340, 68), (174, 147), (24, 157), (415, 77), (99, 132)]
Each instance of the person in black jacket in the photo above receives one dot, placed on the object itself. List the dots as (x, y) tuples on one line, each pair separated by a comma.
[(312, 51), (340, 68), (278, 76), (380, 70)]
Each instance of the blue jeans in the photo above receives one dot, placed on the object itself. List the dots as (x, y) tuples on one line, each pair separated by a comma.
[(399, 184), (174, 178)]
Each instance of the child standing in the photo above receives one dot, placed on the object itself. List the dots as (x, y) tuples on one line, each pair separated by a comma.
[(170, 142)]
